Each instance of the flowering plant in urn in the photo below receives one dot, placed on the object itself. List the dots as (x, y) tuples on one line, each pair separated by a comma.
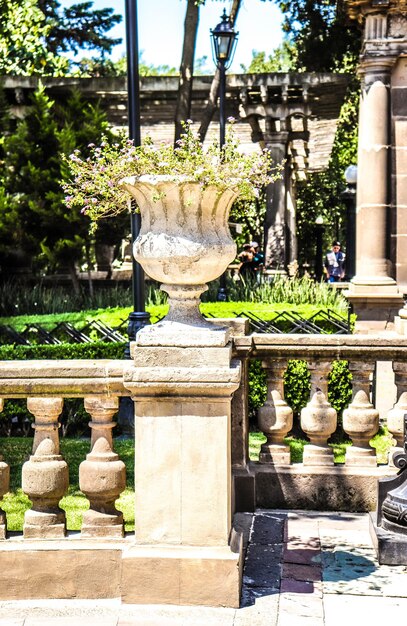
[(184, 194)]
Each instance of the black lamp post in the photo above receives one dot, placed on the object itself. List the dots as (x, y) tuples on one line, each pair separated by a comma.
[(138, 317), (224, 40), (349, 199), (319, 233)]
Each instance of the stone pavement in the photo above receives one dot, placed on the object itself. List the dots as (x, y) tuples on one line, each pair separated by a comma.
[(302, 569)]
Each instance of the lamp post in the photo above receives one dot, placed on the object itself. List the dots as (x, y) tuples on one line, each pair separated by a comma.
[(224, 40), (319, 233), (348, 197), (138, 317)]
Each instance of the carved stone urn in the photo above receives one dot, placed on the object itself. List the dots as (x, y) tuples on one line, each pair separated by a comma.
[(184, 241)]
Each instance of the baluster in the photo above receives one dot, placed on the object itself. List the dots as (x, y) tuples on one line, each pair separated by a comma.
[(275, 417), (395, 417), (4, 487), (45, 477), (361, 419), (318, 418), (102, 477)]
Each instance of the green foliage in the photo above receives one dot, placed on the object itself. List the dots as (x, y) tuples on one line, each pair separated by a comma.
[(34, 33), (282, 290), (94, 350), (320, 35), (95, 187), (33, 216), (320, 195), (23, 33), (78, 26), (282, 59), (297, 387)]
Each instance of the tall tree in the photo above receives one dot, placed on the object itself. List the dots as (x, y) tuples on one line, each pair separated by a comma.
[(34, 33), (183, 108), (32, 206), (78, 26), (323, 39), (23, 34)]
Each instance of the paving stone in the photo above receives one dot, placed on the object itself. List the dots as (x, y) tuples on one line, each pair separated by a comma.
[(349, 557), (289, 585), (301, 572), (302, 605), (262, 610), (301, 554), (161, 615), (295, 620), (376, 611), (330, 538), (263, 566), (267, 529)]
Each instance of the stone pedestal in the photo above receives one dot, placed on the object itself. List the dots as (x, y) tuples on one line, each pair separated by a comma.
[(185, 551)]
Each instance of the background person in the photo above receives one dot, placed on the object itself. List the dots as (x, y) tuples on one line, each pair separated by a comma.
[(335, 263)]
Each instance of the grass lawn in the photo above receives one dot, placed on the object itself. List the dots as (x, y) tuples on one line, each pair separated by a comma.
[(16, 450), (115, 316)]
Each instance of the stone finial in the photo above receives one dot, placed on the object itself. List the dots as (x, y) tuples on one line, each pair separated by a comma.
[(102, 477), (275, 417), (318, 418), (361, 419), (4, 487)]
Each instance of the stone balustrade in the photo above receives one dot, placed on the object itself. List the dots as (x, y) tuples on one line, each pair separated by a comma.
[(273, 481), (277, 481), (45, 476)]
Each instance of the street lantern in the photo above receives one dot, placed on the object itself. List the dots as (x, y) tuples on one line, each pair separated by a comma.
[(224, 40), (138, 317), (348, 197)]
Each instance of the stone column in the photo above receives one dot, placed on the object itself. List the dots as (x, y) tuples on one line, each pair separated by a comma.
[(361, 419), (4, 487), (275, 417), (45, 477), (102, 477), (318, 418), (395, 417), (275, 222), (373, 291), (186, 551)]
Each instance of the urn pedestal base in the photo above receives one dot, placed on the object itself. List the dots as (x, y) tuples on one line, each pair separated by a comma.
[(188, 575)]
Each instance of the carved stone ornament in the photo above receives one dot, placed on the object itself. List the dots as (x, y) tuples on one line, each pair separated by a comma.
[(184, 240)]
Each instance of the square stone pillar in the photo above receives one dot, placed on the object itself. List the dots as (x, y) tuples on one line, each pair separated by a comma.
[(185, 551)]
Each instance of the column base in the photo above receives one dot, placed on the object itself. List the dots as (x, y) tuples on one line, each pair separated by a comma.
[(275, 454), (183, 575), (375, 302), (361, 457), (391, 547), (44, 525), (97, 524), (317, 455)]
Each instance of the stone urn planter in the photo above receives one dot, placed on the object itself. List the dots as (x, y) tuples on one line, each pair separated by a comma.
[(184, 240)]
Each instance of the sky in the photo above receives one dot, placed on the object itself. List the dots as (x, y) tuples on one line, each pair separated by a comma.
[(160, 26)]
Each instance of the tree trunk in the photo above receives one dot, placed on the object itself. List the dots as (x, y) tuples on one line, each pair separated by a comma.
[(74, 278), (211, 105), (183, 109)]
